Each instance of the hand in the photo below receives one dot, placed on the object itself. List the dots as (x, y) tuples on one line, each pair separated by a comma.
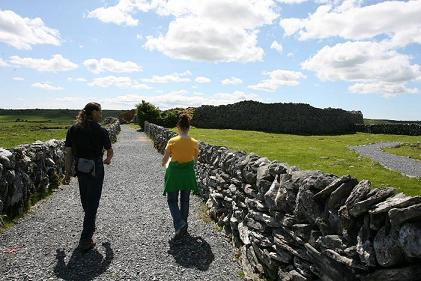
[(107, 161), (66, 180)]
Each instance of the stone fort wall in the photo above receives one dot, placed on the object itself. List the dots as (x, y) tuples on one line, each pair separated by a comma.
[(277, 117)]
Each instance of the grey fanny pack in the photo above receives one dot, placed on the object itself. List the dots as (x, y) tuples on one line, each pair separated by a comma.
[(86, 166)]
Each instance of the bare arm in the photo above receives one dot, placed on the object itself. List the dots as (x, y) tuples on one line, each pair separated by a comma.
[(68, 159), (196, 154), (165, 158), (110, 154)]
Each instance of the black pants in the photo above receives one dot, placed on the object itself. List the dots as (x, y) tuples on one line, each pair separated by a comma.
[(90, 188)]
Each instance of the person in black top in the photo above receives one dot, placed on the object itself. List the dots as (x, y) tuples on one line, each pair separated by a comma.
[(84, 146)]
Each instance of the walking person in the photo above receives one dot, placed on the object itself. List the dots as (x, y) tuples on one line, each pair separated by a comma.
[(180, 177), (84, 146)]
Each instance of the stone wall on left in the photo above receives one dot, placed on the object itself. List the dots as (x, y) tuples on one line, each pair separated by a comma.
[(29, 171)]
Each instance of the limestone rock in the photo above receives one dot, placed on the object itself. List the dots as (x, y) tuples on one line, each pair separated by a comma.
[(400, 200), (359, 193), (306, 208), (339, 195), (265, 218), (276, 168), (399, 216), (365, 248), (333, 242), (375, 196), (270, 195), (327, 268), (408, 273), (256, 205), (410, 239), (387, 248), (325, 193)]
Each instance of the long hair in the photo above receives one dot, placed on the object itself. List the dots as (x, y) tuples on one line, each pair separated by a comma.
[(184, 122), (86, 113)]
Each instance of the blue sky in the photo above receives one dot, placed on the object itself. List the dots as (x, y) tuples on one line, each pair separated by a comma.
[(355, 55)]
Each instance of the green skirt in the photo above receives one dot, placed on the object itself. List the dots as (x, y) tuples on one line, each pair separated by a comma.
[(180, 176)]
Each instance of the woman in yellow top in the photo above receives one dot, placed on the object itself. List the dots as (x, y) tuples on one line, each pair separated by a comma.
[(180, 177)]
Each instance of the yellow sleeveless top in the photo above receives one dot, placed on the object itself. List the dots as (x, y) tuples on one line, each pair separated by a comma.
[(182, 150)]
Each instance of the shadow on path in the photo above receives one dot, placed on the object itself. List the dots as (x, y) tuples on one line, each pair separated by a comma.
[(83, 266), (191, 252)]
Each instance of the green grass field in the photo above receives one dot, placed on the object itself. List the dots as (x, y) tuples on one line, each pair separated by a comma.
[(29, 125), (328, 153), (411, 150), (31, 128)]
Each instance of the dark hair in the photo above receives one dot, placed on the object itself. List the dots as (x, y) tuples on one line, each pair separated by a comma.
[(184, 121), (86, 113)]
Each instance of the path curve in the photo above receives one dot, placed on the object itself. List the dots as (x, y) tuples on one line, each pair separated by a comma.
[(133, 230), (405, 165)]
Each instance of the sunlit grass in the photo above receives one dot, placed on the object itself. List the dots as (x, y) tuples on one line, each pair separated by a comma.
[(411, 150)]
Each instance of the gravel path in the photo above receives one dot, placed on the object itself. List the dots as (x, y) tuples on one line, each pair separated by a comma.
[(133, 230), (407, 166)]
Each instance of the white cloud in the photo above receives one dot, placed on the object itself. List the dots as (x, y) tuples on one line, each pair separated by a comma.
[(371, 65), (56, 63), (169, 78), (71, 99), (79, 79), (207, 30), (46, 86), (3, 63), (201, 30), (120, 82), (277, 78), (202, 79), (121, 13), (22, 33), (180, 98), (386, 89), (292, 1), (277, 46), (111, 65), (399, 20), (248, 13), (232, 81), (199, 39), (18, 78)]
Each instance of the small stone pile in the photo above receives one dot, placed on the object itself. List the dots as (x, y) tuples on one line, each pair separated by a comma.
[(28, 171), (307, 225)]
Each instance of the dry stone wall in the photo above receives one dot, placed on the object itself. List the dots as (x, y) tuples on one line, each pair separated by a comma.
[(28, 171), (299, 225), (277, 117), (395, 129)]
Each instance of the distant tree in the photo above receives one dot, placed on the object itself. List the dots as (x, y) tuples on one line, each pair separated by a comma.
[(169, 118), (146, 111)]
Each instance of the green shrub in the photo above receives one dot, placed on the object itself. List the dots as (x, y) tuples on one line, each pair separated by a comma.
[(146, 111)]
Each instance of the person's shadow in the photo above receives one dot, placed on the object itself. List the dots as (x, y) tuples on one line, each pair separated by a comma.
[(191, 252), (83, 266)]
